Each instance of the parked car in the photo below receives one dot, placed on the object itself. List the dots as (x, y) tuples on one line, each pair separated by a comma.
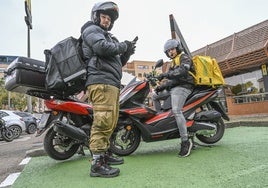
[(13, 122), (29, 120)]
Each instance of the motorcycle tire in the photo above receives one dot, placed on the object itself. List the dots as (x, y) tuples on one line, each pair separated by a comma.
[(211, 139), (57, 149), (121, 146), (7, 135)]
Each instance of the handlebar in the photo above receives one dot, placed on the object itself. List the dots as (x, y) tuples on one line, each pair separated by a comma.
[(151, 77)]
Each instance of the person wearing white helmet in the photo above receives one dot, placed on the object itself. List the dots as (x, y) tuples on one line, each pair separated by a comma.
[(104, 56), (181, 84)]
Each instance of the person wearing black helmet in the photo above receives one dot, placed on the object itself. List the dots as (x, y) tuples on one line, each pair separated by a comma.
[(104, 56), (181, 84)]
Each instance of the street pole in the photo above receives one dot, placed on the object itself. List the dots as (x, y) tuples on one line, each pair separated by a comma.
[(28, 21)]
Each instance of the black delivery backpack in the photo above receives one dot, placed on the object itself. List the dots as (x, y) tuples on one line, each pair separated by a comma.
[(65, 67)]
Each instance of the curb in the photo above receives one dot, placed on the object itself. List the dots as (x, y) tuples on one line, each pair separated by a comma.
[(246, 124), (36, 152)]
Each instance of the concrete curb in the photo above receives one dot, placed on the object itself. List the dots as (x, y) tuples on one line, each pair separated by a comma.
[(246, 124), (36, 152)]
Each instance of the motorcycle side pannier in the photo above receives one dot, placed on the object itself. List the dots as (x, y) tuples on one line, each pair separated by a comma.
[(24, 75)]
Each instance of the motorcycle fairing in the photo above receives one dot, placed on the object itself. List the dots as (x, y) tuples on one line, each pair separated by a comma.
[(69, 106), (198, 101)]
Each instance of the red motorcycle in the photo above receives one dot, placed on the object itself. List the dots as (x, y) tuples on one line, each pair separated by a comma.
[(202, 110), (68, 121)]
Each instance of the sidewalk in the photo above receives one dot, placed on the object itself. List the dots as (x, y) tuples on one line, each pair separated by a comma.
[(258, 120), (238, 160)]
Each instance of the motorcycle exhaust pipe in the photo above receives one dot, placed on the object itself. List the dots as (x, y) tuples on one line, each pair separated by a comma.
[(71, 131)]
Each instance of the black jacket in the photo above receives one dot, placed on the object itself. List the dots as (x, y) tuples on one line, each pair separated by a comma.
[(104, 55), (179, 75)]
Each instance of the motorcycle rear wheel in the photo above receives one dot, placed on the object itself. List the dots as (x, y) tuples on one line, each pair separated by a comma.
[(213, 138), (58, 147), (124, 142), (7, 135)]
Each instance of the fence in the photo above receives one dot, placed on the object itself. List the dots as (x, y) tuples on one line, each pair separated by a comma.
[(248, 104)]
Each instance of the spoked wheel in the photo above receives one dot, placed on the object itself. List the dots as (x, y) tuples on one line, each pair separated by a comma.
[(125, 140), (211, 137), (16, 130), (59, 147), (31, 129)]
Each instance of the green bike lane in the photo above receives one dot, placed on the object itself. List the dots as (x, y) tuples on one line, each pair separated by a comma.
[(238, 160)]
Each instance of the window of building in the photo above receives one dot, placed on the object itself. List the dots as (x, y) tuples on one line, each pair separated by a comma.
[(142, 67)]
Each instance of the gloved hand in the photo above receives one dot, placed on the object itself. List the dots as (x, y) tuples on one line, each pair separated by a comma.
[(162, 76), (159, 88), (130, 47)]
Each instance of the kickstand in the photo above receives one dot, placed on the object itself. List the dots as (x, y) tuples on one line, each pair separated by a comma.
[(81, 150)]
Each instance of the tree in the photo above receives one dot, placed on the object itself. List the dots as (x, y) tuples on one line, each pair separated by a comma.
[(244, 88), (18, 101)]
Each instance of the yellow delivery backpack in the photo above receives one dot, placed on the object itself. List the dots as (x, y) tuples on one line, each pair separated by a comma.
[(207, 71)]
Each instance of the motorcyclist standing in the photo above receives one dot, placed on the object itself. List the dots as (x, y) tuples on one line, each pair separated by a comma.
[(181, 84), (105, 56)]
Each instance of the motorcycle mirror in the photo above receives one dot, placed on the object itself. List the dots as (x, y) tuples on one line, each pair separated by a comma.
[(159, 63)]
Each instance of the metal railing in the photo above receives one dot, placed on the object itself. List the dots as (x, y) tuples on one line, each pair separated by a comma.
[(248, 98)]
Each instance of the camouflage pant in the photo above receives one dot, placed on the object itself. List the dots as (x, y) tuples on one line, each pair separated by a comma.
[(105, 102)]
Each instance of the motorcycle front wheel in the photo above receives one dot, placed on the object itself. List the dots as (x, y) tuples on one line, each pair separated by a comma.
[(7, 135), (125, 140), (215, 136), (59, 147)]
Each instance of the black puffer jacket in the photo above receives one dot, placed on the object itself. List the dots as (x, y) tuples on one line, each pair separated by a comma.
[(104, 55)]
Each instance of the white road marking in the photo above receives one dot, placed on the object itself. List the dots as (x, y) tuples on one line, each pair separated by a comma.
[(10, 179), (25, 161)]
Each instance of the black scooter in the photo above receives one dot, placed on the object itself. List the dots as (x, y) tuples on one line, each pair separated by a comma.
[(5, 132)]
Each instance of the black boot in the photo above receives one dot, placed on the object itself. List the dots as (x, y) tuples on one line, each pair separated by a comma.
[(113, 160), (99, 168), (186, 147)]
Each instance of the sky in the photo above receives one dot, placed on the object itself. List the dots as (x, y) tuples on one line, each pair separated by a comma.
[(201, 23)]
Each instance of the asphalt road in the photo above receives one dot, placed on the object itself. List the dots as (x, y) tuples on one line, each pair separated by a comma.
[(13, 153)]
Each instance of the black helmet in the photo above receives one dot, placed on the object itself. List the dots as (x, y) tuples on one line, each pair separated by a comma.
[(109, 8), (173, 43)]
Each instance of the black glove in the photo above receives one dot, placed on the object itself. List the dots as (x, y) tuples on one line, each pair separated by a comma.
[(162, 76), (159, 88), (130, 47)]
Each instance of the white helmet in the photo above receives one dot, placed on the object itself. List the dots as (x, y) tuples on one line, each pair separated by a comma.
[(109, 8), (173, 43)]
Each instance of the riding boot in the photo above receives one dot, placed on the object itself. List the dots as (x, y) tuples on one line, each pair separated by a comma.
[(113, 160), (100, 168)]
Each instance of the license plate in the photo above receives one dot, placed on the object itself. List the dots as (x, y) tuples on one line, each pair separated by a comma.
[(43, 120)]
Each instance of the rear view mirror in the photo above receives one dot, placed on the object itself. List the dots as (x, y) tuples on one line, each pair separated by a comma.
[(159, 63)]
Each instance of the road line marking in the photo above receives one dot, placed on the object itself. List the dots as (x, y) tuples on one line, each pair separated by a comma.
[(10, 179), (25, 161)]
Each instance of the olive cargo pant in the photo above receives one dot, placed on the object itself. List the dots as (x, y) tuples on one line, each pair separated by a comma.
[(105, 102)]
